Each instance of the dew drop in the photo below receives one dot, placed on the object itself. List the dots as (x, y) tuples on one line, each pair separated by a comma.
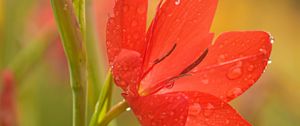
[(210, 106), (269, 61), (272, 39), (227, 121), (141, 10), (177, 2), (209, 110), (234, 73), (194, 109), (250, 68), (150, 116), (264, 51), (134, 23), (128, 109), (172, 113), (234, 92)]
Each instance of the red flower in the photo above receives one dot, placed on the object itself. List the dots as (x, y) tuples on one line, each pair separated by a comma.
[(171, 74)]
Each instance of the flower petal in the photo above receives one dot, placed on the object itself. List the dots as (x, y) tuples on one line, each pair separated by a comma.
[(126, 30), (178, 35), (184, 109), (233, 64)]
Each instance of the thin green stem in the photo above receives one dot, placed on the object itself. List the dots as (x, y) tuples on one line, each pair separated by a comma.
[(114, 112), (104, 100), (73, 42), (94, 66)]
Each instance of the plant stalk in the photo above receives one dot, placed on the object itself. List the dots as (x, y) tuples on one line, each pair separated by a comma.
[(114, 112), (73, 41)]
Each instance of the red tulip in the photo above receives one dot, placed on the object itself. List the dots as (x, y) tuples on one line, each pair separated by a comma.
[(172, 74)]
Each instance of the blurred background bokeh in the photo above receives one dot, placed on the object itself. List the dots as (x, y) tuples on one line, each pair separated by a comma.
[(43, 94)]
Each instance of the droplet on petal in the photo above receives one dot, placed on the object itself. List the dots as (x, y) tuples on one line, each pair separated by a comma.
[(210, 106), (209, 110), (128, 109), (227, 121), (141, 10), (264, 51), (272, 39), (234, 92), (177, 2), (250, 68), (194, 109), (133, 23), (234, 73)]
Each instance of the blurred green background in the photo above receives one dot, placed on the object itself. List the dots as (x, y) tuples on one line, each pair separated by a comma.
[(43, 93)]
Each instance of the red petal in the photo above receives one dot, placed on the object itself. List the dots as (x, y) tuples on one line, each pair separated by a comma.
[(185, 109), (126, 36), (185, 25), (160, 110), (233, 64)]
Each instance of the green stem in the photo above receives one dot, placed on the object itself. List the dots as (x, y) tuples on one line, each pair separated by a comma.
[(104, 100), (73, 42), (114, 112), (94, 66)]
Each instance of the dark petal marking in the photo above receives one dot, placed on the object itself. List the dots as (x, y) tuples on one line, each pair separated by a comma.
[(166, 55), (194, 64)]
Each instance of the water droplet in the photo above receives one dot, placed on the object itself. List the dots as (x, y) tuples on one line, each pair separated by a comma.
[(141, 10), (269, 61), (209, 110), (264, 51), (134, 23), (234, 92), (194, 109), (250, 68), (172, 113), (227, 121), (210, 106), (272, 39), (150, 116), (128, 109), (234, 73), (177, 2)]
